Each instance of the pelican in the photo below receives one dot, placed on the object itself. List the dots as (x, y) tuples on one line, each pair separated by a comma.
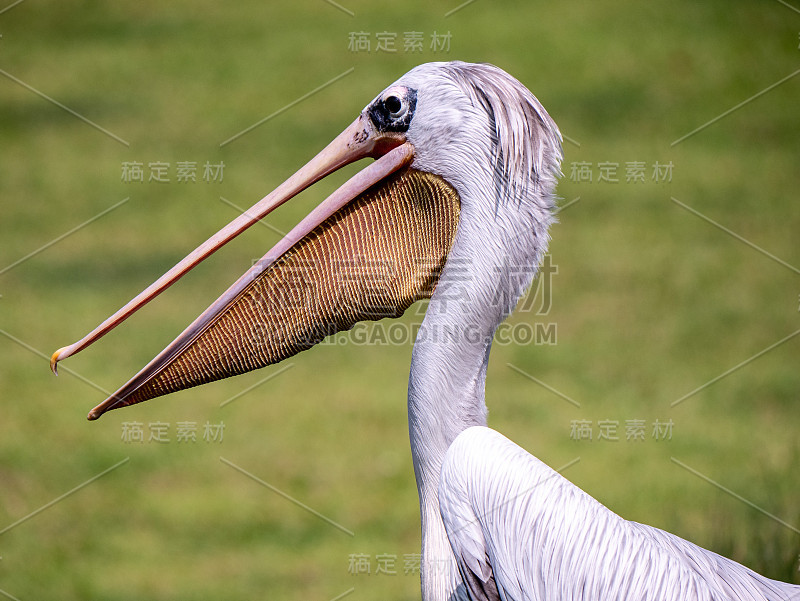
[(455, 208)]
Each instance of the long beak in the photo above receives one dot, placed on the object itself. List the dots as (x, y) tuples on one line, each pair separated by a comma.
[(252, 324), (356, 142)]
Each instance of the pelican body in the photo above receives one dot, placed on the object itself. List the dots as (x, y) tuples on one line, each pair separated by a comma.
[(455, 208), (519, 530)]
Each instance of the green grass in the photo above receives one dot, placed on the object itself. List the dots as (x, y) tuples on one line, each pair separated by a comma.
[(650, 301)]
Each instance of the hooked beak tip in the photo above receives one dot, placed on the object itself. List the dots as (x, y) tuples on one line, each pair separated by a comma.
[(54, 359)]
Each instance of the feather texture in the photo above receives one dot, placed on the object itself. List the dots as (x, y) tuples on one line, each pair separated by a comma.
[(544, 539), (525, 142)]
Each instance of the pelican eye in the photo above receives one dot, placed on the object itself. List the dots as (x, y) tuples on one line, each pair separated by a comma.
[(393, 111), (393, 105)]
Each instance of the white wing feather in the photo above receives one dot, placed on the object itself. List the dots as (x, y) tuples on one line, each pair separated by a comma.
[(512, 519)]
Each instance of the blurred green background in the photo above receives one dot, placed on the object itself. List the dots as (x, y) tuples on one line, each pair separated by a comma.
[(650, 300)]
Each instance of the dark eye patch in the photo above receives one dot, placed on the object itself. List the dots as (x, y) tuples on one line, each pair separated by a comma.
[(383, 112)]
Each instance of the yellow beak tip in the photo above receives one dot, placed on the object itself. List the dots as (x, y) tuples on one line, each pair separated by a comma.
[(54, 361)]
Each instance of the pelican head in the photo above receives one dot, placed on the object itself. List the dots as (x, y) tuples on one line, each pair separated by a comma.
[(466, 163), (475, 125)]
